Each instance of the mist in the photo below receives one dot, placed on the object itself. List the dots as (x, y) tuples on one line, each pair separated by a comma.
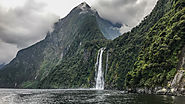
[(23, 26)]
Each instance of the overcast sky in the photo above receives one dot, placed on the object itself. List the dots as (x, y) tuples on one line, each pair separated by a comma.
[(25, 22)]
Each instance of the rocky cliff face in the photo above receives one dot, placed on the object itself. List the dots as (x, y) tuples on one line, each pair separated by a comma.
[(178, 82)]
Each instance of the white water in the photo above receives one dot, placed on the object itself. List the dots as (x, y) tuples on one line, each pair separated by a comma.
[(107, 60), (99, 71), (183, 62)]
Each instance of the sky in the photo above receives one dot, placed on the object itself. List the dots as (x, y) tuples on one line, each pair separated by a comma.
[(25, 22)]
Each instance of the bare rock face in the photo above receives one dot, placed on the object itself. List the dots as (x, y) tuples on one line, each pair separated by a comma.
[(178, 79), (178, 83), (182, 64)]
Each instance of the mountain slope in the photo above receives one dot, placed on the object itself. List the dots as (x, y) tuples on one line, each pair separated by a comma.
[(109, 30), (124, 50), (70, 33), (162, 53), (2, 65), (77, 71)]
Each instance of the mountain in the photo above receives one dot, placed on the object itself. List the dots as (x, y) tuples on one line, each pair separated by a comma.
[(72, 35), (110, 30), (149, 55), (163, 51), (124, 58), (2, 65), (146, 57)]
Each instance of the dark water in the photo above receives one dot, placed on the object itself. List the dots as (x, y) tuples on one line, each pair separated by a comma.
[(13, 96)]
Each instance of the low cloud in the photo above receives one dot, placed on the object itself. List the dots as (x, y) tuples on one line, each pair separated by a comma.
[(129, 12), (23, 26), (7, 52)]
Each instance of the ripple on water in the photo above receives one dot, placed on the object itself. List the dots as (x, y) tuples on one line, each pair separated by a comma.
[(82, 96)]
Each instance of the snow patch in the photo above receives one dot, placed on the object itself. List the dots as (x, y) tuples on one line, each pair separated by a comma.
[(125, 28), (94, 10), (83, 12), (114, 28), (86, 8), (83, 6)]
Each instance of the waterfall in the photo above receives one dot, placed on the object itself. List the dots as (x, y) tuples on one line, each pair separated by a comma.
[(99, 77), (107, 60), (183, 62)]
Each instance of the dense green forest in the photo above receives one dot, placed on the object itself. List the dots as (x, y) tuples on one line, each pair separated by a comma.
[(161, 53), (148, 55)]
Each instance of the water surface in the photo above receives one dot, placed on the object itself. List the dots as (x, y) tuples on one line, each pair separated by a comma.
[(81, 96)]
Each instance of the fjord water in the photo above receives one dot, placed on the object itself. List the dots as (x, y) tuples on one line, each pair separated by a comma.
[(81, 96)]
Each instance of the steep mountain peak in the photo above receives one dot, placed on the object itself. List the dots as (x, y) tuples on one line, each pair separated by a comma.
[(2, 65), (69, 37), (84, 6)]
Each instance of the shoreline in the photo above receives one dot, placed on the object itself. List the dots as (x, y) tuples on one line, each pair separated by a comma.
[(158, 91)]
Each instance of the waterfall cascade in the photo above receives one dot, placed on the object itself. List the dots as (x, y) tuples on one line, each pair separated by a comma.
[(99, 77), (183, 62), (107, 60)]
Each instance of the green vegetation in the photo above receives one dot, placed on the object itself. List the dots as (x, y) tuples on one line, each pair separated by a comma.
[(124, 50), (33, 64), (158, 60), (77, 71)]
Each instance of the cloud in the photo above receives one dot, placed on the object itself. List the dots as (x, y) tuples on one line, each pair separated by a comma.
[(129, 12), (28, 21), (7, 52), (23, 26)]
